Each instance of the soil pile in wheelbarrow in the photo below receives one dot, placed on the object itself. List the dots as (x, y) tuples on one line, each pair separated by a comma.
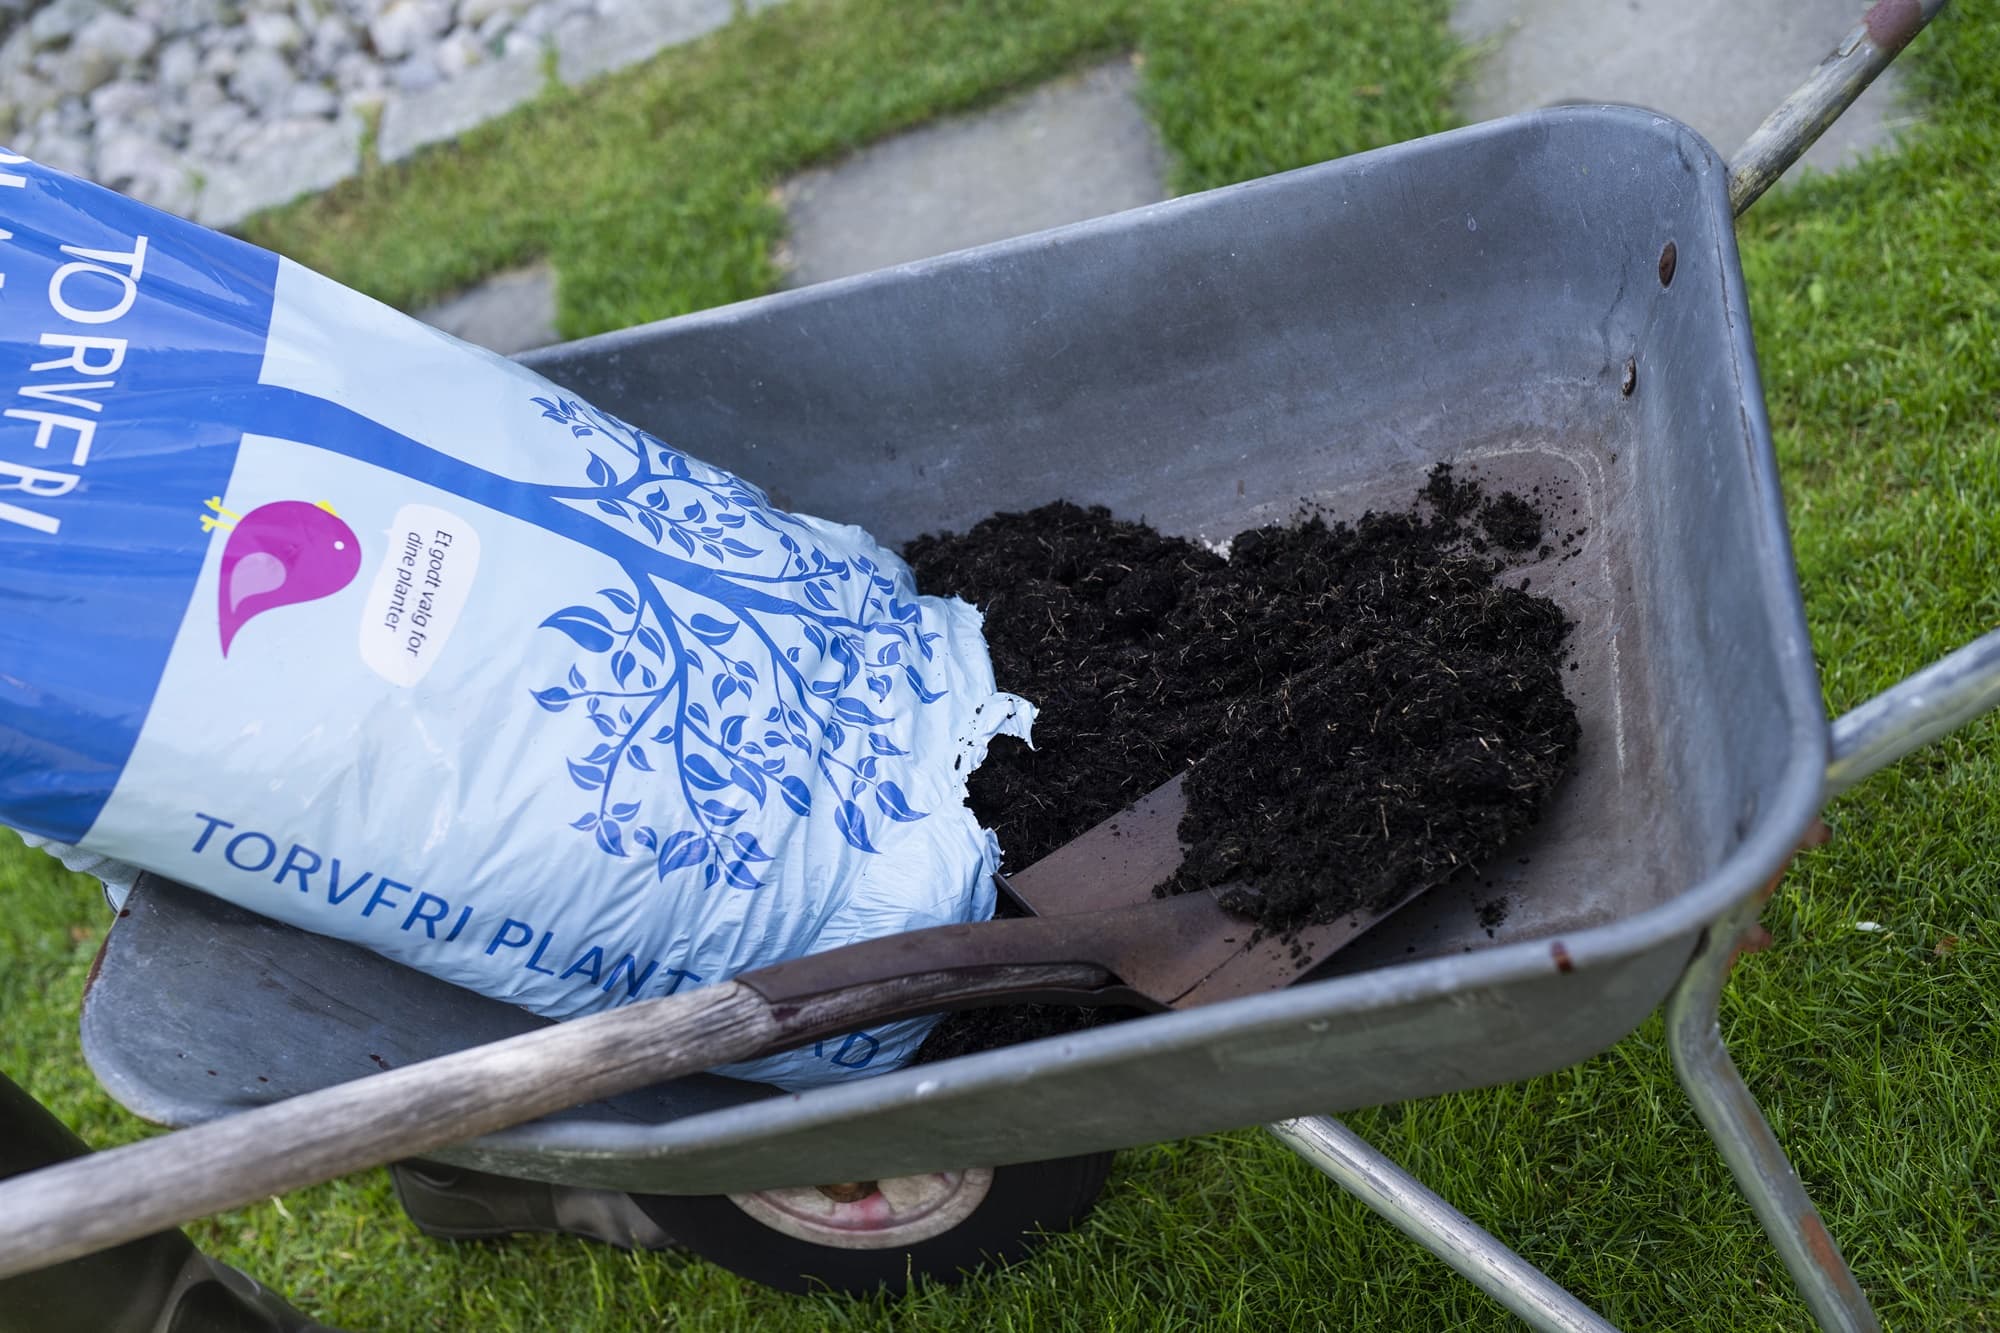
[(1368, 707)]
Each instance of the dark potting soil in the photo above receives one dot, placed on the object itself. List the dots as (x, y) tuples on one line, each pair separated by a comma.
[(1367, 707)]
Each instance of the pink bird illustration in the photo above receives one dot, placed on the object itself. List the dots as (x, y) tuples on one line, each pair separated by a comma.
[(279, 554)]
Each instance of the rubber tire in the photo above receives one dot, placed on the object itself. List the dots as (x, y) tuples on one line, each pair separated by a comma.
[(1027, 1203)]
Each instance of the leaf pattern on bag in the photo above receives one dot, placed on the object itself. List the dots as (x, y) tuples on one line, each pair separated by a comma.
[(753, 698)]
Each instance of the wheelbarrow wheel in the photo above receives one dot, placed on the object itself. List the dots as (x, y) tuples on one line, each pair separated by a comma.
[(860, 1237)]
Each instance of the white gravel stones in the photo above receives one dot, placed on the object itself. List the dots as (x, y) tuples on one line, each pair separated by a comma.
[(178, 63), (477, 12), (310, 101), (406, 26), (457, 52), (58, 22), (262, 78), (279, 31), (219, 108)]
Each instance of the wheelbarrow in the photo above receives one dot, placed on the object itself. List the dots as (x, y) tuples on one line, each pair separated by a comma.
[(1554, 299)]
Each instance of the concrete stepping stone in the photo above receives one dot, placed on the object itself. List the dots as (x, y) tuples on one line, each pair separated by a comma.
[(1719, 65), (1072, 149), (507, 313)]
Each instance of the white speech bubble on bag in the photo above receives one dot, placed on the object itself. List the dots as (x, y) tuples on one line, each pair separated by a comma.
[(419, 591)]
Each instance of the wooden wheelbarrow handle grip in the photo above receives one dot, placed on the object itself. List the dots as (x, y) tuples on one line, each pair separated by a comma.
[(92, 1203), (1801, 118), (107, 1198)]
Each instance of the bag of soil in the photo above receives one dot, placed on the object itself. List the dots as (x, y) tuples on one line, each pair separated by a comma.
[(376, 633)]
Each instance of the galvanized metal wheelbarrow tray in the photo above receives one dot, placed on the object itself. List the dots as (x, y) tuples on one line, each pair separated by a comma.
[(1553, 299)]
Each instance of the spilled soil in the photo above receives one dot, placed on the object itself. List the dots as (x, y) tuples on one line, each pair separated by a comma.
[(1363, 709)]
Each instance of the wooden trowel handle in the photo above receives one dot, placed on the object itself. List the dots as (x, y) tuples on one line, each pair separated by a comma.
[(105, 1199)]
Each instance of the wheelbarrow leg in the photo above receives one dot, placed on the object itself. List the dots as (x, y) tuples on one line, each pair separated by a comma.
[(1734, 1121), (1354, 1165)]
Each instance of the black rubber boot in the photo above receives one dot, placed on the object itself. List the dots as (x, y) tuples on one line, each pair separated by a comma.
[(161, 1284), (452, 1203)]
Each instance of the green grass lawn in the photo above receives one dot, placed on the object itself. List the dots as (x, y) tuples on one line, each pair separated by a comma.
[(1877, 1055)]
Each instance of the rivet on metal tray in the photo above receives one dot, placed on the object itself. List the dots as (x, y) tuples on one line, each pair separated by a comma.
[(1631, 380), (1667, 258)]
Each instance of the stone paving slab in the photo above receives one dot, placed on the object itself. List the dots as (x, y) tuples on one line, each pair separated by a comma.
[(1080, 146), (1719, 65), (291, 158), (507, 313), (450, 109), (1072, 149), (628, 35)]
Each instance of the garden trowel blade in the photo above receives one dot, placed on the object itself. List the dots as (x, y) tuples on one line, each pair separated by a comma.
[(1207, 957)]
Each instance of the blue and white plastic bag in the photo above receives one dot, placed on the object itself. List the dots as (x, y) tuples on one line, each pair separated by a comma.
[(364, 629)]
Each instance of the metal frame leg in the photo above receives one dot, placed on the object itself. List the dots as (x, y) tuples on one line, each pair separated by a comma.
[(1414, 1210), (1744, 1137), (1728, 1111)]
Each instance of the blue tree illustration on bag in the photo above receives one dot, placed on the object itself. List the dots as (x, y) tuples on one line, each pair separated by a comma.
[(729, 702)]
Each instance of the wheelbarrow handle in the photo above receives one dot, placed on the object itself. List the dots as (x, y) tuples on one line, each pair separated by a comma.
[(1799, 121), (108, 1198), (1941, 698)]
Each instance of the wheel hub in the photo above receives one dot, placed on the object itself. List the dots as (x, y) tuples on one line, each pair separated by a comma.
[(871, 1215)]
